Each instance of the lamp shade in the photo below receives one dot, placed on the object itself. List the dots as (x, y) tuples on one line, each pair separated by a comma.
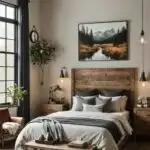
[(143, 77)]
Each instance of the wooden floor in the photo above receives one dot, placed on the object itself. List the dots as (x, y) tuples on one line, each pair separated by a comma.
[(137, 146), (129, 146)]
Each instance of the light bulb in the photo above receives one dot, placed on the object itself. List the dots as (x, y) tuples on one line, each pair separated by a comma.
[(61, 80), (142, 40), (143, 84)]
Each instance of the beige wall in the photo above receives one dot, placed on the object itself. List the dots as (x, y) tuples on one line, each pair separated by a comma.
[(34, 19), (59, 22)]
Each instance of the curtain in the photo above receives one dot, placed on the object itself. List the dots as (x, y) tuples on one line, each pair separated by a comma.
[(24, 108)]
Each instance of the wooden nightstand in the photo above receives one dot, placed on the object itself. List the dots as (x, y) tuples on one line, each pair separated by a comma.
[(51, 108), (142, 121)]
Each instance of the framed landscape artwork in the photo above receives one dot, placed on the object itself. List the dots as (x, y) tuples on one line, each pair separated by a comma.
[(103, 41)]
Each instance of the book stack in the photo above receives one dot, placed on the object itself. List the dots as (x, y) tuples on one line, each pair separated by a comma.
[(78, 144)]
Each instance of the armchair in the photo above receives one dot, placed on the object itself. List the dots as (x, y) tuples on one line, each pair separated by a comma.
[(8, 123)]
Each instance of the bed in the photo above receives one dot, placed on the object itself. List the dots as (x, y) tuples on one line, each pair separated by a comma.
[(103, 138)]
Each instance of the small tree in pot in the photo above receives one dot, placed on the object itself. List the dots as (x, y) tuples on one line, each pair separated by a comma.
[(16, 93), (41, 54)]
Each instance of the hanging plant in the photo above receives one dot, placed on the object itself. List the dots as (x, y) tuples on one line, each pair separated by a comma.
[(41, 54)]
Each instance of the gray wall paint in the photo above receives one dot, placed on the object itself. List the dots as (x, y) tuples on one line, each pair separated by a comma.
[(59, 22)]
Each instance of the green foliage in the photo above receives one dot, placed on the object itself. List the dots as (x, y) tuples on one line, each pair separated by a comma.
[(86, 36), (42, 53), (16, 92)]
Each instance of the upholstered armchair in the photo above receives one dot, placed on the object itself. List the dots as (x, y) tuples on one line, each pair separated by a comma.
[(9, 126)]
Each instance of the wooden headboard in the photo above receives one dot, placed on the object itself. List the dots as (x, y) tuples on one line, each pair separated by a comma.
[(108, 79)]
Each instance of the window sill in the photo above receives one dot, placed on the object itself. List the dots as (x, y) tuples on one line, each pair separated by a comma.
[(7, 105)]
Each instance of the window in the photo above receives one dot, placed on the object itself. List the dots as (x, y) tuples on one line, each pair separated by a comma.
[(8, 49)]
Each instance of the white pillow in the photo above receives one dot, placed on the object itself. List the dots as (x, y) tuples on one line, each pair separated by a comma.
[(114, 105), (78, 101), (93, 108), (77, 104), (87, 97)]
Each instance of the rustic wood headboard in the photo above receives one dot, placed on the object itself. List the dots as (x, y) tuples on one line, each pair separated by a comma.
[(106, 78)]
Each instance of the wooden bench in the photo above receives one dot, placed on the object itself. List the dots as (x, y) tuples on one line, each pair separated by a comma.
[(37, 146)]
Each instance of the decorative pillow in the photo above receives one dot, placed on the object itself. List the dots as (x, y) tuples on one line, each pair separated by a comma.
[(123, 103), (114, 105), (87, 93), (78, 101), (93, 108), (111, 93), (77, 104), (104, 101)]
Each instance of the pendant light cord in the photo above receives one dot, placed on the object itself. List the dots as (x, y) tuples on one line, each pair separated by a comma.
[(142, 14)]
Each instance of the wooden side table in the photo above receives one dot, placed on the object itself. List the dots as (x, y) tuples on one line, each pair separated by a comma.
[(51, 108), (37, 146), (142, 121)]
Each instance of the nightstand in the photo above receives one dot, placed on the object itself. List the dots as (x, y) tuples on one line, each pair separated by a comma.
[(51, 108), (142, 121)]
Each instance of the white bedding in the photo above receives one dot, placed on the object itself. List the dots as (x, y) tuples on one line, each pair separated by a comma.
[(94, 135)]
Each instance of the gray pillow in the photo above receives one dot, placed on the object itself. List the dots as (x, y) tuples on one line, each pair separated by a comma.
[(114, 105), (87, 93), (111, 93), (88, 100), (103, 101)]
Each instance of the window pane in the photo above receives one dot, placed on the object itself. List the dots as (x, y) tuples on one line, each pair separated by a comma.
[(10, 83), (2, 86), (10, 60), (10, 12), (10, 73), (10, 31), (2, 59), (2, 98), (2, 45), (2, 29), (2, 73), (10, 45), (2, 10)]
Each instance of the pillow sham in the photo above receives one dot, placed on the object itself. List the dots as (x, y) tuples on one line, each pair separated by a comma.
[(78, 101), (93, 108), (87, 93), (117, 103), (123, 103)]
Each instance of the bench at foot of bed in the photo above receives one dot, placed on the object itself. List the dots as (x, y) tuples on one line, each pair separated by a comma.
[(37, 146)]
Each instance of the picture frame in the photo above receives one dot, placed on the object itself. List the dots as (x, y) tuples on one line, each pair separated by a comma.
[(103, 41), (34, 35)]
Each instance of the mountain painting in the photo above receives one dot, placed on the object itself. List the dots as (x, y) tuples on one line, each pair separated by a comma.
[(103, 41)]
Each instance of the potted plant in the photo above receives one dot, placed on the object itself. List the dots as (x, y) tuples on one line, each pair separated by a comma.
[(16, 93), (42, 53)]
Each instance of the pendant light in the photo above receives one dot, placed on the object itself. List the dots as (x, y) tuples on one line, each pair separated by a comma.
[(142, 41), (63, 73), (143, 77)]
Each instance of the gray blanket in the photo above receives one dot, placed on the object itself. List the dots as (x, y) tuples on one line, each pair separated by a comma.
[(54, 128), (109, 125)]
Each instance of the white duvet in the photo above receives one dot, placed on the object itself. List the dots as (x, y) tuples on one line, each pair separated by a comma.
[(98, 136)]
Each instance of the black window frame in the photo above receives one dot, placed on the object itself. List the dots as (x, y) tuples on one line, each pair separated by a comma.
[(15, 53)]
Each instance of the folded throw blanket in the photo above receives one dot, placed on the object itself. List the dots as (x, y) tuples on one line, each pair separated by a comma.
[(52, 127)]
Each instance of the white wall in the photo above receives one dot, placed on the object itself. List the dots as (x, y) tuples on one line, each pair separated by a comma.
[(34, 19), (59, 22)]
